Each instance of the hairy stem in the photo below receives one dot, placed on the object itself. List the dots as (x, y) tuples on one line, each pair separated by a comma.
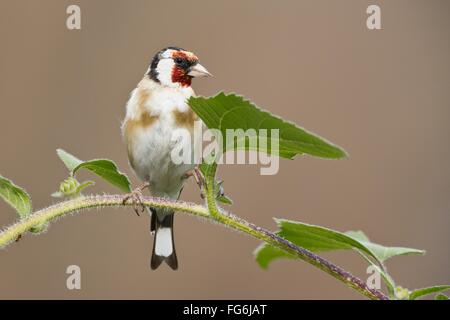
[(11, 233)]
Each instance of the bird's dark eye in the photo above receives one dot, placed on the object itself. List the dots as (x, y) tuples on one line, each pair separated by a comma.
[(178, 60)]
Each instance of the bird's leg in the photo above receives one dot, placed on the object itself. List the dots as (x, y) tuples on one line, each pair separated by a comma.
[(198, 179), (136, 198)]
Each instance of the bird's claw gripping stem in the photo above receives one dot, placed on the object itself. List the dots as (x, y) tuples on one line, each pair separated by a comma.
[(135, 198), (198, 179)]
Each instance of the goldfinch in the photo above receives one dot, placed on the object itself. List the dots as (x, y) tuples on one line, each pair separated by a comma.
[(156, 111)]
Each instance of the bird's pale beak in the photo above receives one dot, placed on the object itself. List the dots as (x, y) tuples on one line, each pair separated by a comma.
[(198, 71)]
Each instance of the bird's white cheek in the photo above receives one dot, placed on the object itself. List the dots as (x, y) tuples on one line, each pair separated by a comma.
[(164, 69)]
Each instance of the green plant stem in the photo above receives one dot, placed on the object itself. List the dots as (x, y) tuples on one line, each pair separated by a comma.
[(13, 232)]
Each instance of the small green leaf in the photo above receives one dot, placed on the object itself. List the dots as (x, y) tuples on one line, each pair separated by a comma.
[(229, 111), (381, 252), (401, 293), (108, 171), (71, 188), (58, 194), (220, 193), (69, 160), (16, 197), (84, 185), (441, 296), (104, 168), (265, 254), (426, 291), (225, 200), (39, 228)]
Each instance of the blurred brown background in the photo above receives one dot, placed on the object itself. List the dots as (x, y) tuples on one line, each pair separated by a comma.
[(383, 95)]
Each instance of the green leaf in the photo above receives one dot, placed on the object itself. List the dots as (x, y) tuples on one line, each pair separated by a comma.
[(264, 254), (229, 111), (58, 194), (381, 252), (108, 171), (318, 239), (16, 197), (426, 291), (220, 193), (225, 200), (441, 296), (40, 228), (388, 281), (104, 168), (71, 188), (84, 185), (400, 293), (69, 160)]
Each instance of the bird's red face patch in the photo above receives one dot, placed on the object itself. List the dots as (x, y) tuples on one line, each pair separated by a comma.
[(183, 62), (180, 76)]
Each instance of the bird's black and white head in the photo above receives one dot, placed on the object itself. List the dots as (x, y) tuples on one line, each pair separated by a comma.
[(175, 67)]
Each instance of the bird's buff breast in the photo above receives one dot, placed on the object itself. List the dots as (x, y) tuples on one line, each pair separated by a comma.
[(154, 119)]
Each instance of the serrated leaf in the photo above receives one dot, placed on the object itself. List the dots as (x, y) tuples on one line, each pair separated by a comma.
[(104, 168), (229, 111), (426, 291), (319, 239), (441, 296), (15, 196)]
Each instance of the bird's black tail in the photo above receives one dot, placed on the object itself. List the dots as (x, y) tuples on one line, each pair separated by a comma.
[(163, 244)]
